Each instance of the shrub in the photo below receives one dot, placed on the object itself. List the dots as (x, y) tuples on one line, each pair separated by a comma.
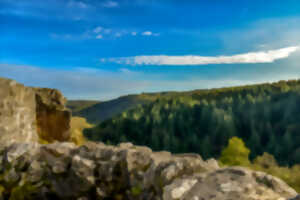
[(236, 153)]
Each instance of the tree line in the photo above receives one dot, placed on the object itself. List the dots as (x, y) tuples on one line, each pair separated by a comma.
[(265, 116)]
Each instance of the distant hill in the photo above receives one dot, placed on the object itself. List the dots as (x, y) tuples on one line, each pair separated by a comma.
[(96, 112), (78, 105), (265, 116)]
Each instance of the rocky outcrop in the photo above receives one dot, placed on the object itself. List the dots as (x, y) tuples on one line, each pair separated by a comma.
[(229, 183), (32, 114), (17, 112), (98, 171)]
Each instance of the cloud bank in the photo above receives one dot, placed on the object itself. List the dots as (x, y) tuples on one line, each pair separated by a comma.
[(251, 57)]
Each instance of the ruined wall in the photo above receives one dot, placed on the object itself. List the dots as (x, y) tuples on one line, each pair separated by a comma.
[(17, 112), (32, 114)]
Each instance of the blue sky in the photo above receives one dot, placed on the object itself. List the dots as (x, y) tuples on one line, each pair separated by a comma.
[(102, 49)]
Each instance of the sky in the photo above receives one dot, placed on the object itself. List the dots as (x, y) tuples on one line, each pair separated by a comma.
[(103, 49)]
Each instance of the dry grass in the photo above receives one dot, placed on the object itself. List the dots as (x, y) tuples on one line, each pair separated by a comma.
[(78, 124)]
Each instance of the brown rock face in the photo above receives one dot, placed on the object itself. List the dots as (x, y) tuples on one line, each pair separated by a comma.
[(53, 119), (29, 114)]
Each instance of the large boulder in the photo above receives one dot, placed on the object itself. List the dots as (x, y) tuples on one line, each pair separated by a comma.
[(32, 114), (126, 172), (229, 183)]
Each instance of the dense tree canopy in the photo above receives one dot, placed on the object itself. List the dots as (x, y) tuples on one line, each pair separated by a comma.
[(265, 116)]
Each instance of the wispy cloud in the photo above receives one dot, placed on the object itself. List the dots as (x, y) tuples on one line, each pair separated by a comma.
[(251, 57), (99, 37), (147, 33), (78, 4), (95, 83), (118, 34), (98, 29), (268, 33), (60, 36), (100, 32), (107, 33), (67, 36), (110, 4), (150, 33)]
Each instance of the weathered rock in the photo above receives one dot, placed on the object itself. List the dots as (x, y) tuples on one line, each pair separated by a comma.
[(53, 118), (32, 114), (98, 171), (229, 183), (17, 112)]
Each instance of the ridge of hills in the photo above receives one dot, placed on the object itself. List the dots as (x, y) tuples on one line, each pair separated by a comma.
[(265, 116), (98, 111), (95, 112), (78, 105)]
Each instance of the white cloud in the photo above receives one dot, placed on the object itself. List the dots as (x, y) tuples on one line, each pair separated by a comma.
[(99, 37), (110, 4), (134, 33), (251, 57), (98, 29), (147, 33), (150, 33)]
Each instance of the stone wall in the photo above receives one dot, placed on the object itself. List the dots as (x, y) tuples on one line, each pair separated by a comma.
[(32, 114)]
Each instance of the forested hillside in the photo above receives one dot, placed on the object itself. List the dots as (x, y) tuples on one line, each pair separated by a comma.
[(266, 117), (96, 112)]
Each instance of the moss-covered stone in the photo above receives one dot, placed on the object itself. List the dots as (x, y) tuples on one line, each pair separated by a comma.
[(136, 190), (2, 189), (24, 192)]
